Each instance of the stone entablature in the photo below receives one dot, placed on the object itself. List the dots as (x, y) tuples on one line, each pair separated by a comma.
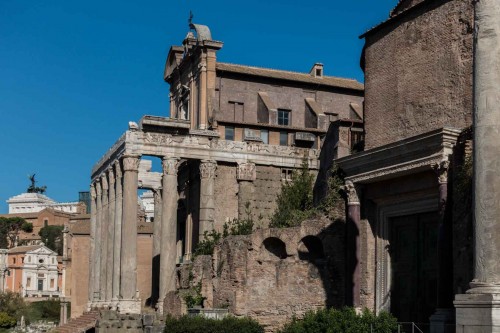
[(138, 143), (404, 157)]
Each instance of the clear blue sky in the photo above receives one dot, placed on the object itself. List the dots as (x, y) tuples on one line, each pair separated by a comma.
[(73, 73)]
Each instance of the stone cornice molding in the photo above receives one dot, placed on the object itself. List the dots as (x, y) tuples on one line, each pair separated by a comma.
[(170, 165), (412, 155), (352, 194), (441, 170), (246, 171), (131, 163), (207, 169)]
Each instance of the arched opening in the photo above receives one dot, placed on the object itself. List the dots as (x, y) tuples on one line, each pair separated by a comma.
[(276, 247), (311, 248)]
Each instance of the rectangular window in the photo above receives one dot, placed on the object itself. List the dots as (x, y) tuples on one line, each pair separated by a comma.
[(283, 117), (229, 133), (283, 139), (286, 174), (238, 110), (264, 135), (51, 283), (40, 285), (28, 282)]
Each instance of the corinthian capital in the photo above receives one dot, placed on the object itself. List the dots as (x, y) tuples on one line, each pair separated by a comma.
[(170, 165), (246, 171), (352, 195), (207, 169), (118, 169), (92, 192), (441, 170), (98, 188), (131, 163), (111, 176), (104, 182)]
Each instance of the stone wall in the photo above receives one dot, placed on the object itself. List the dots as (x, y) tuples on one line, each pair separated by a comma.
[(272, 274), (77, 276), (226, 194), (418, 72)]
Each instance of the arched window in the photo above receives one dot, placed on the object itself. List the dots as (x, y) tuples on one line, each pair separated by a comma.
[(276, 247), (311, 248)]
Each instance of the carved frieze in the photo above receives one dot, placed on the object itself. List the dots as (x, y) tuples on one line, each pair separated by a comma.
[(352, 195), (207, 169), (246, 171), (158, 138), (441, 170), (170, 165), (131, 163)]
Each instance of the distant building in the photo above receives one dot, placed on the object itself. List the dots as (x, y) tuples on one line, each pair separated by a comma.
[(35, 202)]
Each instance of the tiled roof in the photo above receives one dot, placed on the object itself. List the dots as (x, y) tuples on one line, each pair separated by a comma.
[(80, 228), (24, 249), (330, 81)]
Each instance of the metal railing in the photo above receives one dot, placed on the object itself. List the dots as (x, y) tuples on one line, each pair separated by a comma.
[(414, 328)]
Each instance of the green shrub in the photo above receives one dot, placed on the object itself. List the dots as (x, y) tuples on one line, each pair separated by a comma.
[(7, 321), (194, 298), (44, 310), (342, 321), (198, 324), (207, 245)]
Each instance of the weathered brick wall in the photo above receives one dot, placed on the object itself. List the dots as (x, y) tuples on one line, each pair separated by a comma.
[(267, 188), (418, 73), (226, 194)]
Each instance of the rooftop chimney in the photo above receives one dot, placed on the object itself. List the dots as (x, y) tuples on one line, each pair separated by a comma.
[(317, 70)]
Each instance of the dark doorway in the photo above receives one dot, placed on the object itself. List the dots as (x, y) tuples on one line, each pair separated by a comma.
[(413, 249), (40, 285)]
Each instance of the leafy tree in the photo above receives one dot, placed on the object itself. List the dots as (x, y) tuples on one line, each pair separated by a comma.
[(52, 237), (10, 228), (295, 202)]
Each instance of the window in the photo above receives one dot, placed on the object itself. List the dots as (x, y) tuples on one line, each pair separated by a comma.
[(286, 174), (28, 282), (283, 139), (53, 260), (13, 260), (29, 258), (40, 261), (264, 135), (229, 133), (45, 222), (238, 109), (52, 283), (283, 117)]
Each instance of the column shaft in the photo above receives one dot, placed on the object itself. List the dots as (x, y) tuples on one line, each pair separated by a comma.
[(207, 202), (97, 239), (128, 286), (155, 281), (353, 245), (104, 238), (203, 96), (117, 238), (92, 256), (110, 235), (168, 250)]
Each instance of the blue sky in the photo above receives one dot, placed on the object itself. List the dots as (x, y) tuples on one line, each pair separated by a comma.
[(73, 73)]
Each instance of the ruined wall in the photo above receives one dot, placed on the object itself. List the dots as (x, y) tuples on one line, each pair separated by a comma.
[(418, 72), (78, 279), (226, 194), (272, 274), (267, 188), (144, 265)]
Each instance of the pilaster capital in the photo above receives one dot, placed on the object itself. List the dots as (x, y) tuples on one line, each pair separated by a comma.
[(118, 169), (170, 165), (202, 66), (104, 182), (111, 176), (441, 169), (351, 192), (207, 168), (246, 171), (131, 163), (92, 192)]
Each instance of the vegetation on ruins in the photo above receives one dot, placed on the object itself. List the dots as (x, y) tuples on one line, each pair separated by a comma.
[(10, 228), (235, 227), (295, 202), (345, 320), (51, 235), (198, 324), (13, 307), (194, 297)]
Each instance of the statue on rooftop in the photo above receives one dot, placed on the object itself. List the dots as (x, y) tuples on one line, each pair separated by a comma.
[(33, 188)]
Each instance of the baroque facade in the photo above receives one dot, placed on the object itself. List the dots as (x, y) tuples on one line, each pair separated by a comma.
[(234, 134)]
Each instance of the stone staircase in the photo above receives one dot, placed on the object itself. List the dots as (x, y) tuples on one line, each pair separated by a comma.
[(80, 324)]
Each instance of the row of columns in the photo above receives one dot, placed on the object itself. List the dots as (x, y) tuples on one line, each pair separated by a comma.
[(113, 274)]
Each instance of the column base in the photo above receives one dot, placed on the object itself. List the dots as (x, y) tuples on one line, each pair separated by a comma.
[(442, 321), (477, 313), (159, 306), (132, 306)]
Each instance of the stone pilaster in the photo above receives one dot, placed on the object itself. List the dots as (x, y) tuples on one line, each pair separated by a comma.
[(104, 238), (168, 250), (207, 203), (117, 238), (110, 235), (92, 256), (479, 309), (129, 302), (353, 237), (246, 173), (98, 244)]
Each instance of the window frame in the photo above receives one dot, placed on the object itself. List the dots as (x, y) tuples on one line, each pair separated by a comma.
[(284, 134), (282, 118), (226, 133)]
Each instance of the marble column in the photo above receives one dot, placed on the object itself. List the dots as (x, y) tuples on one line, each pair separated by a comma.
[(92, 254), (207, 203), (117, 238), (188, 247), (168, 250), (129, 302), (353, 244), (443, 318), (104, 238), (245, 174), (155, 281), (110, 235), (479, 309), (202, 103), (98, 243)]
